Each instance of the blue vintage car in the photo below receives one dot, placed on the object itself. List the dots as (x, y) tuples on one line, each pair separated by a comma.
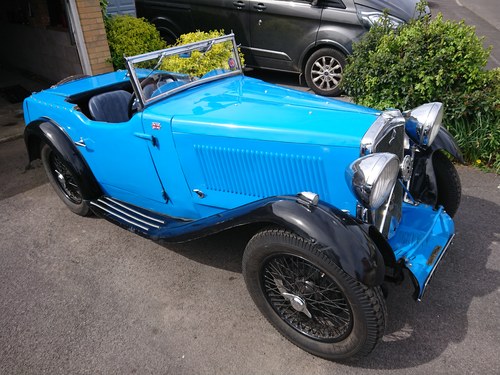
[(342, 198)]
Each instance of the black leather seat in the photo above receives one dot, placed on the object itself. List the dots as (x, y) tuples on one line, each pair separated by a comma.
[(110, 106)]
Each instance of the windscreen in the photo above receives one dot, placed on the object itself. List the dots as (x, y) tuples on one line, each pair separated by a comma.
[(163, 73)]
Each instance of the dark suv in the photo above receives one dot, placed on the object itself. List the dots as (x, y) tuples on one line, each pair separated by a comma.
[(300, 36)]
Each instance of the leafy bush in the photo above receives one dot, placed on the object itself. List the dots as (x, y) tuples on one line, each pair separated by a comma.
[(104, 9), (425, 60), (431, 60), (200, 63), (131, 36)]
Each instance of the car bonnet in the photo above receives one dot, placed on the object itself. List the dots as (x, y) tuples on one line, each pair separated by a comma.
[(243, 107)]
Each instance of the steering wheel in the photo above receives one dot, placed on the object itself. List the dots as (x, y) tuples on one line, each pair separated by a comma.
[(151, 80)]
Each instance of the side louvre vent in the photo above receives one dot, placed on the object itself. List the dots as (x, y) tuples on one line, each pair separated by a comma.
[(260, 174)]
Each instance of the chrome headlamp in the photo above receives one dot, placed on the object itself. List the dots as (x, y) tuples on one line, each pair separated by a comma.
[(370, 17), (372, 178), (423, 123)]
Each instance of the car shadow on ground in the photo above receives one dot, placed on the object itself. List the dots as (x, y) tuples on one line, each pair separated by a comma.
[(223, 250), (416, 332)]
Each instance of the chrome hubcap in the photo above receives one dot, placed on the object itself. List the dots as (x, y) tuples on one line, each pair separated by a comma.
[(297, 302), (60, 177)]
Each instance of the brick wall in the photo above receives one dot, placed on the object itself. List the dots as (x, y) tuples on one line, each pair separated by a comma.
[(94, 35)]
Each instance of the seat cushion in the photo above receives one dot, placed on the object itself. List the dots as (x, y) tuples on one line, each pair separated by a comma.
[(110, 106)]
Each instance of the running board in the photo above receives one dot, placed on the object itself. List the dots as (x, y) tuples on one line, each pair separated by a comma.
[(132, 218)]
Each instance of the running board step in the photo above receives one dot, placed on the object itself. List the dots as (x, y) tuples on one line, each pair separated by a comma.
[(132, 218)]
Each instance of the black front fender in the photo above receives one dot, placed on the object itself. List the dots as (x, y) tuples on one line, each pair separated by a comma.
[(445, 141), (48, 132), (424, 185), (338, 235)]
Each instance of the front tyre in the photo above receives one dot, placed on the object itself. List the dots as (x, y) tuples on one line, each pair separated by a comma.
[(323, 71), (309, 299), (63, 181), (449, 187)]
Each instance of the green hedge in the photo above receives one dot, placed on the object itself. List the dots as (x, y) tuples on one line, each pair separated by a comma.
[(131, 36), (431, 60), (199, 63)]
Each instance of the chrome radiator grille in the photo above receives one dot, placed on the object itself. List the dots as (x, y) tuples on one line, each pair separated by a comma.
[(387, 134), (392, 141)]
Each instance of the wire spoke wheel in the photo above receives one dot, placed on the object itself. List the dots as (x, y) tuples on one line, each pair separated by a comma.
[(292, 284), (309, 299), (63, 181)]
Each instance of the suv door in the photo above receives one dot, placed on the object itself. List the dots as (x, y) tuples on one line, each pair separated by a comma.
[(230, 15), (171, 17), (281, 30)]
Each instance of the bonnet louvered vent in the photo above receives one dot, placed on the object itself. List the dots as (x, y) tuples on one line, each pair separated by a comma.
[(260, 174)]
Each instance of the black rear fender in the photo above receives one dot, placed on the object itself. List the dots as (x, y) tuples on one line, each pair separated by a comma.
[(41, 132)]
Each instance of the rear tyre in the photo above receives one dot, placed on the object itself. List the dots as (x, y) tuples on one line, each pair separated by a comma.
[(309, 299), (63, 181), (324, 71), (448, 183)]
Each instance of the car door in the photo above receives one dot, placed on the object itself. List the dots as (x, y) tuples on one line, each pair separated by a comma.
[(158, 137), (171, 17), (281, 30), (230, 15), (118, 156)]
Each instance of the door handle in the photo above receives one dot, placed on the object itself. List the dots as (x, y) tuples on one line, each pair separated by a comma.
[(81, 143), (239, 4), (147, 137), (260, 7)]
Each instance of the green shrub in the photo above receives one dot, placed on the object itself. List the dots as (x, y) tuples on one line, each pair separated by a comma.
[(432, 60), (200, 63), (424, 60), (131, 36), (104, 9)]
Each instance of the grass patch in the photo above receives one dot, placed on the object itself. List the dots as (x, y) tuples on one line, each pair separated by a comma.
[(479, 139)]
